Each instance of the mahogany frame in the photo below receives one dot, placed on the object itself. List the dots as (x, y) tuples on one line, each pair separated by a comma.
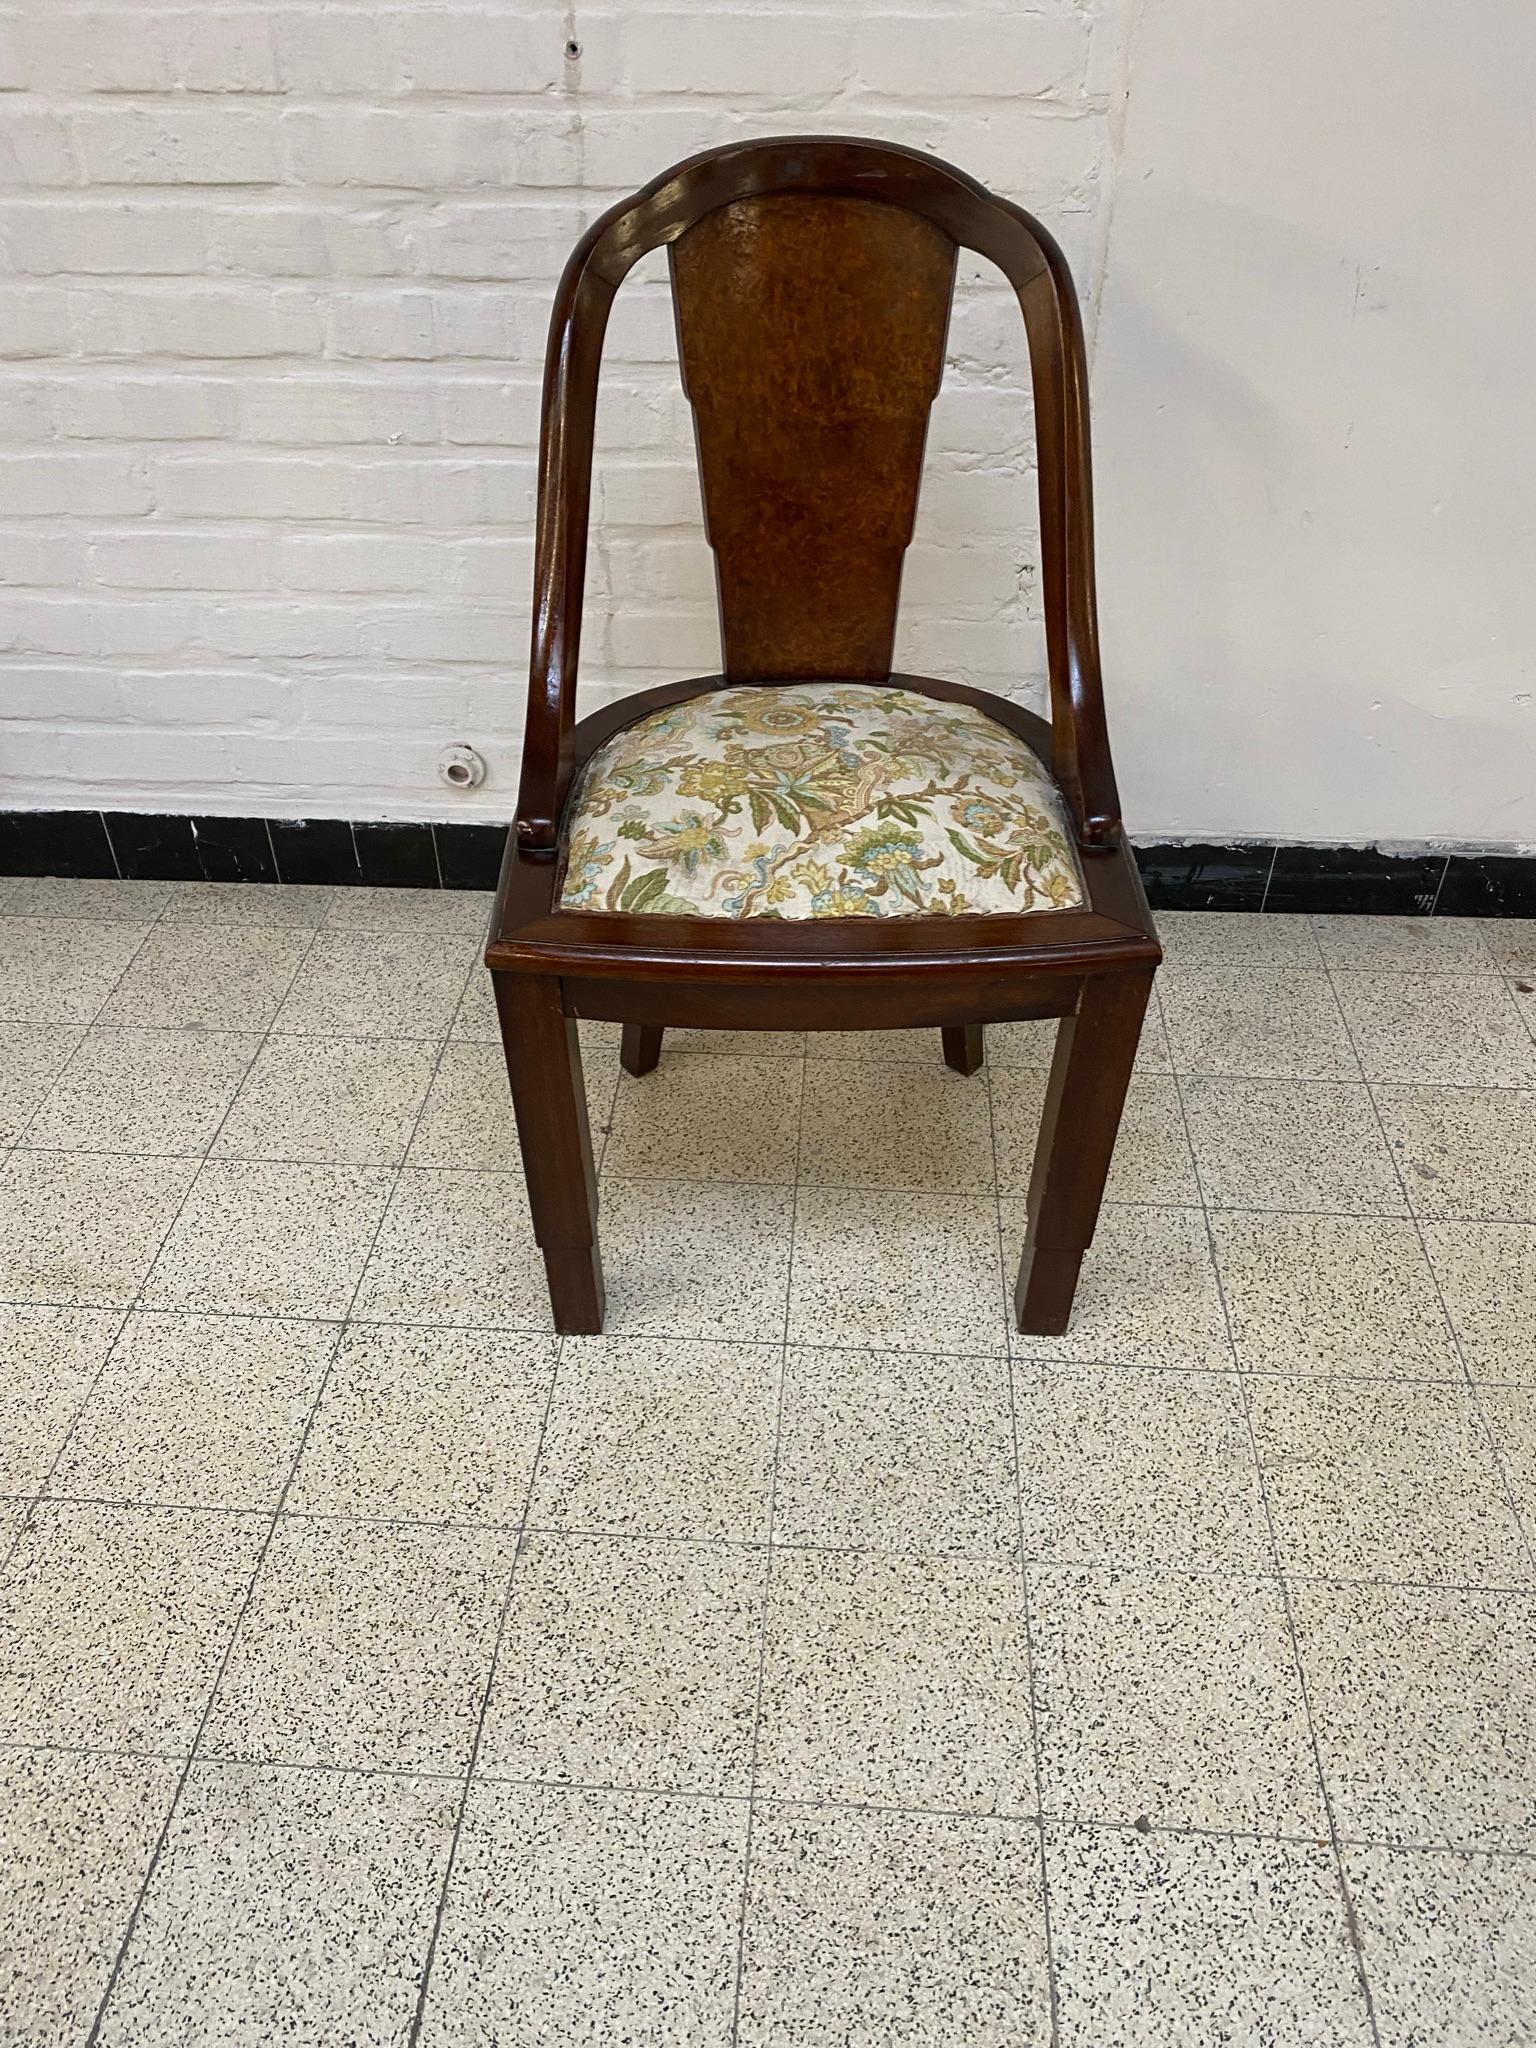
[(1091, 967)]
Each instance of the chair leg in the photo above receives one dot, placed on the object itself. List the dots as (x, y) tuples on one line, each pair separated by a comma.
[(640, 1047), (964, 1047), (1095, 1050), (550, 1102)]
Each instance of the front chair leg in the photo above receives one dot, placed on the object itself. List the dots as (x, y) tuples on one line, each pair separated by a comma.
[(1091, 1070), (964, 1047), (640, 1047), (544, 1066)]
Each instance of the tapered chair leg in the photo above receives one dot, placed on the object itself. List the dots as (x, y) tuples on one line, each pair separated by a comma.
[(640, 1047), (964, 1047), (550, 1102), (1095, 1051)]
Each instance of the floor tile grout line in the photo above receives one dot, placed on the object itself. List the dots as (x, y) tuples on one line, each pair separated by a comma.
[(333, 1352), (1297, 1660), (1522, 1531)]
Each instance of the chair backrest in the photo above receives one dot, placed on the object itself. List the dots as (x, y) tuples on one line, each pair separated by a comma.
[(812, 278)]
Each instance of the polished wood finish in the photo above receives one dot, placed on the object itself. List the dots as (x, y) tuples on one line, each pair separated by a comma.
[(811, 337), (812, 279)]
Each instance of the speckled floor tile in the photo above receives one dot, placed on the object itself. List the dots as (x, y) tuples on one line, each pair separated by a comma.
[(894, 1124), (476, 1019), (1380, 1479), (465, 911), (468, 1120), (1033, 1045), (1147, 1294), (366, 1644), (261, 1239), (707, 1116), (1332, 1294), (1266, 1023), (627, 1662), (1137, 1468), (113, 1621), (1152, 1161), (426, 1425), (61, 970), (1510, 1413), (286, 1905), (318, 1101), (87, 897), (896, 1681), (239, 903), (144, 1091), (1453, 1030), (76, 1836), (1512, 942), (1464, 1152), (82, 1228), (896, 1272), (690, 1259), (456, 1248), (1404, 945), (32, 1056), (589, 1918), (893, 1927), (904, 1045), (1424, 1703), (649, 1437), (779, 1045), (1487, 1278), (1237, 938), (1171, 1699), (1198, 1939), (891, 1450), (48, 1359), (378, 985), (1313, 1145), (196, 1411), (190, 978), (1449, 1944)]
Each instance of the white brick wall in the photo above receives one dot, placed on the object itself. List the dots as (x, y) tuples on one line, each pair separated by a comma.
[(272, 346)]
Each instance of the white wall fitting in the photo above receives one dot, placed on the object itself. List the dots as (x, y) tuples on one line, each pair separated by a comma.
[(269, 397)]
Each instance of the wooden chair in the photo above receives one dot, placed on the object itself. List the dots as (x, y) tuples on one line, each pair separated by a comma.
[(812, 280)]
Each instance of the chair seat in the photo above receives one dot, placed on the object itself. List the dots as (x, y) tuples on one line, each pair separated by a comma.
[(818, 799)]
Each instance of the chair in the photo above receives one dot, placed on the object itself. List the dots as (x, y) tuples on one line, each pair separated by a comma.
[(806, 841)]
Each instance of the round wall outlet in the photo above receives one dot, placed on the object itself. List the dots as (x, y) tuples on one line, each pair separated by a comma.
[(461, 768)]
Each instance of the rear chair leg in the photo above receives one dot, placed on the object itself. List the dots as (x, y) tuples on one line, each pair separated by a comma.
[(550, 1102), (1095, 1051), (964, 1047), (640, 1047)]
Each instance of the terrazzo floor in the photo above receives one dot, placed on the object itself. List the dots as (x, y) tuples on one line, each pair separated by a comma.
[(808, 1660)]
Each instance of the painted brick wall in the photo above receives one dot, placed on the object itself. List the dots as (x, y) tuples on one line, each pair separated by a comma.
[(271, 351)]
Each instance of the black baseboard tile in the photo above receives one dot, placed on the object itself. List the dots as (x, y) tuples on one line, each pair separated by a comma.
[(72, 844), (153, 848), (1352, 879), (1488, 885), (142, 846), (318, 851), (469, 856), (1205, 877)]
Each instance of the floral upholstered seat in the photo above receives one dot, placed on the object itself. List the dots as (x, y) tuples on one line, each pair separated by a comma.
[(805, 800)]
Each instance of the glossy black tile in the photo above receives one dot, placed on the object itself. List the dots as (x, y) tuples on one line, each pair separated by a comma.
[(151, 847), (1205, 877), (234, 850), (469, 856), (1488, 885), (71, 843), (319, 850), (397, 856), (1353, 878)]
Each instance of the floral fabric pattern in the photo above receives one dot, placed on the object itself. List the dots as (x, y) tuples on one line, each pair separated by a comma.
[(804, 800)]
